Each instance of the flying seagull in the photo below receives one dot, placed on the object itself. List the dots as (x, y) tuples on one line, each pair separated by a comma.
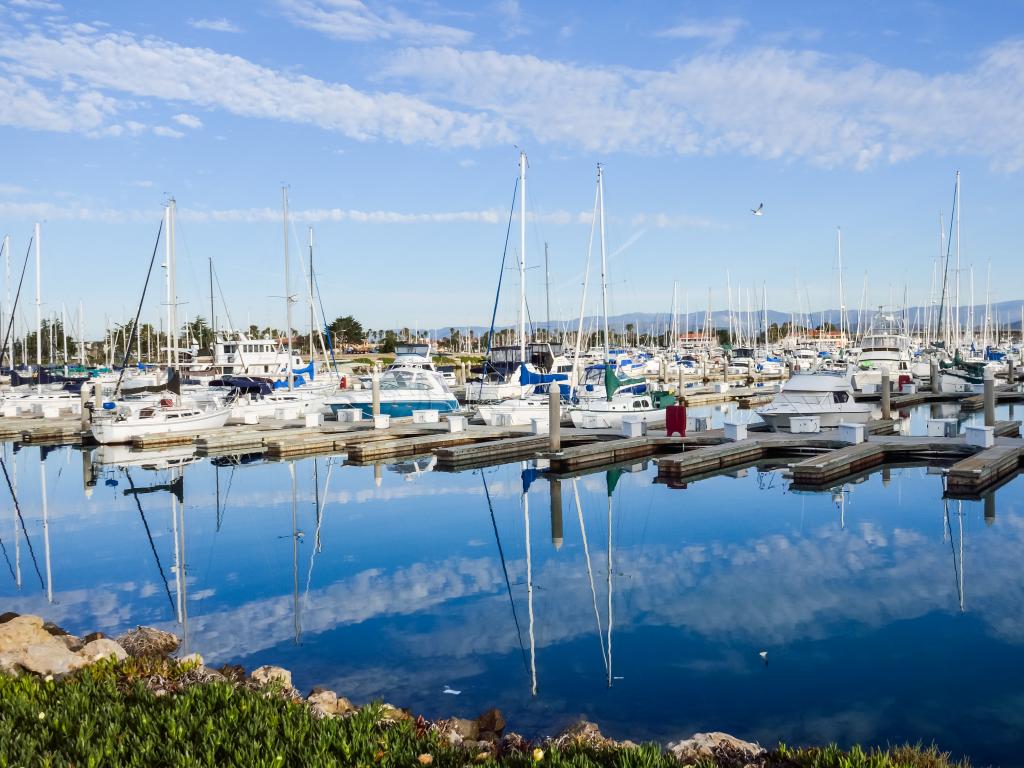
[(759, 211)]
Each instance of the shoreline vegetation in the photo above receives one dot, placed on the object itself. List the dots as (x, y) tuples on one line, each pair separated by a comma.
[(94, 701)]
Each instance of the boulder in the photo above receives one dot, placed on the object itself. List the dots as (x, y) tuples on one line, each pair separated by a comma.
[(194, 659), (103, 648), (71, 642), (467, 729), (393, 713), (233, 672), (267, 674), (581, 732), (22, 631), (54, 629), (715, 747), (94, 636), (491, 724), (147, 641), (49, 658), (7, 616)]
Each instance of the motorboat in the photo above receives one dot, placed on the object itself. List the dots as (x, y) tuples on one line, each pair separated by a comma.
[(403, 390), (121, 425), (884, 349), (829, 396)]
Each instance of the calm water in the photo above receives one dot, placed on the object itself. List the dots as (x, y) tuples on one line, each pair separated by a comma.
[(887, 615)]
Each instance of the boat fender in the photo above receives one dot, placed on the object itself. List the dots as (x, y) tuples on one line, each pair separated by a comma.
[(166, 402), (343, 384), (109, 406)]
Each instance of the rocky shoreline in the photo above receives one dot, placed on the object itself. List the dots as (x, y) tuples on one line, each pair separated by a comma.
[(30, 645)]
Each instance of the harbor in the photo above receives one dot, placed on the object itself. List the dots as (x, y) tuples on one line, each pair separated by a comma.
[(438, 384)]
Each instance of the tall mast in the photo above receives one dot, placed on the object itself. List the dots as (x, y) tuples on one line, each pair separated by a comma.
[(312, 314), (39, 312), (81, 334), (604, 265), (213, 316), (842, 299), (522, 257), (547, 290), (958, 257), (7, 282), (287, 288), (167, 280)]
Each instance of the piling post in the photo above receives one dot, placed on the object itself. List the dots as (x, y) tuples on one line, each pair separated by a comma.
[(679, 371), (376, 394), (989, 380), (1011, 376), (886, 409), (933, 374), (554, 418), (464, 377), (555, 486), (83, 397), (990, 508)]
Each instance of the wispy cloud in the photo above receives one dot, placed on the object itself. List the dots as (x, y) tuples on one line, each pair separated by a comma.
[(767, 102), (189, 121), (214, 25), (36, 5), (79, 67), (354, 20), (167, 132), (717, 32)]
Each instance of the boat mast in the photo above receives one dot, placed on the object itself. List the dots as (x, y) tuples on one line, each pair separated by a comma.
[(842, 300), (167, 280), (312, 315), (39, 313), (604, 264), (213, 316), (957, 337), (287, 288), (7, 282), (547, 291), (522, 257)]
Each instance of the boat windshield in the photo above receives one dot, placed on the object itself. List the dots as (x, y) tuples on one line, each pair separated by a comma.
[(404, 379)]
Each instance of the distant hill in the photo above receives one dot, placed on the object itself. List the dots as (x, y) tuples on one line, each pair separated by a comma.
[(1004, 313)]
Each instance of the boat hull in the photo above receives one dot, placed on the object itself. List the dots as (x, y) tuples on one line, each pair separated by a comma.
[(108, 432)]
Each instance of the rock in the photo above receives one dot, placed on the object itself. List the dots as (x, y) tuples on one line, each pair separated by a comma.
[(491, 722), (71, 642), (147, 641), (193, 658), (325, 702), (49, 658), (7, 616), (467, 729), (21, 631), (54, 629), (103, 648), (233, 672), (719, 748), (268, 674), (584, 732), (94, 636)]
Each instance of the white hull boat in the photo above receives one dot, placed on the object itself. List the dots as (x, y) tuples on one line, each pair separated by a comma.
[(829, 397), (111, 427)]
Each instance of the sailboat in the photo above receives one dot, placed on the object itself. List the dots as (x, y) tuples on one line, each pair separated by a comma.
[(531, 401), (604, 410), (119, 422)]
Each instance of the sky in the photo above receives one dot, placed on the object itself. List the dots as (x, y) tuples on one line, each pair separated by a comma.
[(397, 128)]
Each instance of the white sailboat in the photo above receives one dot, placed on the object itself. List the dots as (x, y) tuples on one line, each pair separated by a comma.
[(608, 410)]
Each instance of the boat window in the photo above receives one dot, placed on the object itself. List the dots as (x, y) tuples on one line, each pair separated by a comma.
[(646, 403), (638, 403), (840, 397)]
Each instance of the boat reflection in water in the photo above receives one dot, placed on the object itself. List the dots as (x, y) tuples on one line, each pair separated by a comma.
[(549, 596)]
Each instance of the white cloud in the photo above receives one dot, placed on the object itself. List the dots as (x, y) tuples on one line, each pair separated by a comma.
[(36, 5), (167, 133), (79, 110), (214, 25), (355, 21), (189, 121), (719, 32), (767, 102), (159, 69)]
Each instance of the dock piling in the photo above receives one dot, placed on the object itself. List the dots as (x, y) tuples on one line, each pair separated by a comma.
[(989, 380), (1011, 376), (376, 395), (555, 486), (554, 418), (886, 394), (933, 375)]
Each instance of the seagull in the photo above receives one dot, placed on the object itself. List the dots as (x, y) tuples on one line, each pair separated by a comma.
[(759, 211), (451, 691)]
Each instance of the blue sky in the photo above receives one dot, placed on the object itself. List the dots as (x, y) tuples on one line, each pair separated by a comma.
[(395, 127)]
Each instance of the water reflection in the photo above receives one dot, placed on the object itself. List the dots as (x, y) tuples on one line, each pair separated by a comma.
[(889, 611)]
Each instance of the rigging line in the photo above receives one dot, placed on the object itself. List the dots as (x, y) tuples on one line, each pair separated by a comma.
[(14, 307), (24, 530), (319, 523), (590, 572), (149, 535), (501, 274), (504, 568), (323, 316), (138, 312), (952, 549)]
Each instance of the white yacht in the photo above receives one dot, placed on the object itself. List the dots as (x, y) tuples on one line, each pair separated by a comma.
[(120, 425), (825, 395), (243, 356), (402, 391), (885, 347)]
